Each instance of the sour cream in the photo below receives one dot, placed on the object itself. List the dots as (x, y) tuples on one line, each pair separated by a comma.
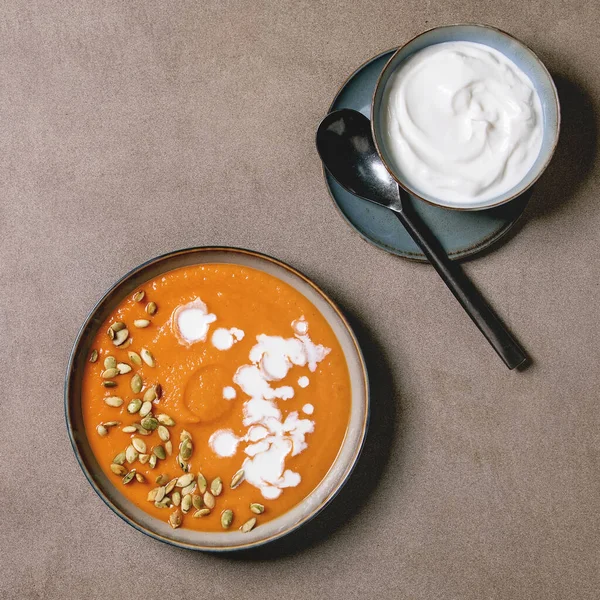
[(462, 123)]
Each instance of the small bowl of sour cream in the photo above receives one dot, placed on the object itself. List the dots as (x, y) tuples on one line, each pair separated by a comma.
[(465, 117)]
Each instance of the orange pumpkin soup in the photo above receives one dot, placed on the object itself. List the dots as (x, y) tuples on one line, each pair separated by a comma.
[(216, 397)]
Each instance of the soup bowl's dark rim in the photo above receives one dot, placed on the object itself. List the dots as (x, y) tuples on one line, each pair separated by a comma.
[(70, 375), (542, 167)]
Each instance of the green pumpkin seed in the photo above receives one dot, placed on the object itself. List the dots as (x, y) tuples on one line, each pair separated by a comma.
[(237, 479), (185, 467), (171, 485), (169, 447), (149, 423), (209, 500), (110, 362), (185, 435), (117, 326), (136, 383), (159, 451), (129, 429), (144, 458), (165, 420), (147, 357), (123, 368), (185, 480), (113, 401), (152, 461), (202, 485), (102, 431), (109, 383), (139, 445), (153, 495), (216, 487), (175, 519), (141, 323), (160, 493), (226, 518), (164, 503), (134, 406), (131, 454), (150, 394), (197, 502), (203, 512), (110, 373), (141, 430), (185, 451), (176, 498), (248, 525), (135, 358), (163, 433), (189, 489), (120, 458), (111, 423), (120, 337), (186, 503), (118, 469), (111, 333), (162, 479), (138, 296), (151, 308), (139, 477), (256, 508), (129, 477), (93, 356), (158, 391), (146, 409)]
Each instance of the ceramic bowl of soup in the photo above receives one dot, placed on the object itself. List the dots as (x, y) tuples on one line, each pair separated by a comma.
[(216, 399)]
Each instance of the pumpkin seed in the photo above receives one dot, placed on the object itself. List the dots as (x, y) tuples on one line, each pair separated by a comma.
[(102, 431), (248, 525), (150, 394), (171, 485), (237, 479), (176, 498), (111, 333), (175, 519), (120, 337), (169, 447), (216, 487), (149, 423), (136, 383), (123, 368), (151, 308), (139, 445), (209, 500), (203, 512), (189, 489), (131, 454), (93, 356), (165, 420), (160, 493), (185, 435), (117, 326), (153, 495), (162, 479), (134, 406), (202, 485), (158, 390), (185, 480), (118, 469), (144, 458), (129, 429), (197, 502), (141, 323), (141, 429), (185, 451), (164, 503), (146, 409), (226, 518), (256, 508), (185, 467), (110, 362), (111, 423), (109, 383), (163, 433), (186, 503), (120, 458), (138, 296), (147, 357), (129, 477), (152, 461), (139, 477), (159, 451), (114, 401), (135, 358), (110, 373)]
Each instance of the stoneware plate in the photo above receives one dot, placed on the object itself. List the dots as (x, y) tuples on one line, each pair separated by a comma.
[(301, 513), (461, 233)]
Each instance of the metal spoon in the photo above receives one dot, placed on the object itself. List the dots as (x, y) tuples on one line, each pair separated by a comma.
[(345, 145)]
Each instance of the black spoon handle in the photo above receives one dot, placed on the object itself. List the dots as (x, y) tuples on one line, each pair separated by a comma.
[(465, 292)]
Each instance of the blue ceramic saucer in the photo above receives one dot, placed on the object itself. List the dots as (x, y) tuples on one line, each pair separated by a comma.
[(461, 233)]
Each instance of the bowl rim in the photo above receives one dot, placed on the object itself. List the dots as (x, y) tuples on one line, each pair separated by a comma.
[(192, 546), (511, 37)]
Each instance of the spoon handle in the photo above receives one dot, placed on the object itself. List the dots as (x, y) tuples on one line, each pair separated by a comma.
[(463, 289)]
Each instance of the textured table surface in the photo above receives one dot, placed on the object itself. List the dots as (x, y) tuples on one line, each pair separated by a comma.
[(133, 128)]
